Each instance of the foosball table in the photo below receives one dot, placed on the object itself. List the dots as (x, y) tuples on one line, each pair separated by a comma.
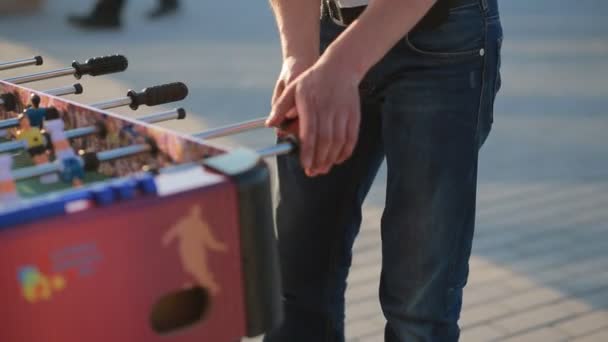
[(113, 229)]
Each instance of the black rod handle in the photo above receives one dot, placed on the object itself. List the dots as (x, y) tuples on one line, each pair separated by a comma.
[(158, 95), (100, 66)]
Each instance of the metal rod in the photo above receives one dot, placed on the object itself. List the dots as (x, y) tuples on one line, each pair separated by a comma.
[(73, 89), (8, 123), (231, 129), (123, 152), (67, 90), (81, 131), (41, 76), (174, 114), (89, 130), (277, 150), (123, 101), (8, 146), (21, 63), (36, 171), (12, 145), (70, 134), (56, 166)]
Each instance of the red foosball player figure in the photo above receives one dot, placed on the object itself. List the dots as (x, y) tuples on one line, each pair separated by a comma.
[(73, 170), (8, 190)]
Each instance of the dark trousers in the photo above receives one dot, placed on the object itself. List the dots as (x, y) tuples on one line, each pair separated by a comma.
[(427, 108)]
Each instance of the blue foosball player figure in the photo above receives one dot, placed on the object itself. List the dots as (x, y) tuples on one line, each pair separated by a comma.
[(38, 115), (35, 114), (72, 171)]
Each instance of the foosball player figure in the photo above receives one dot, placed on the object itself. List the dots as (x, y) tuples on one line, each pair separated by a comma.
[(8, 189), (35, 113), (33, 137), (38, 143), (73, 169)]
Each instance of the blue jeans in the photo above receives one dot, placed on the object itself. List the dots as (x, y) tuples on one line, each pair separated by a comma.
[(427, 108)]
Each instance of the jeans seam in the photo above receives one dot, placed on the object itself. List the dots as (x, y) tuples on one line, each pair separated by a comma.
[(483, 80), (453, 260), (339, 242), (332, 269)]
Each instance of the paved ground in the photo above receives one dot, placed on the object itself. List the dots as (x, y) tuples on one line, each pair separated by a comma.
[(540, 263)]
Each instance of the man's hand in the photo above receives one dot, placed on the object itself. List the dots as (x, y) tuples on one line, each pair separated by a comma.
[(292, 68), (325, 99)]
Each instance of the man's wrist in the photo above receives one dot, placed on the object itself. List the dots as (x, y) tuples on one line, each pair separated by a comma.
[(344, 63), (300, 59)]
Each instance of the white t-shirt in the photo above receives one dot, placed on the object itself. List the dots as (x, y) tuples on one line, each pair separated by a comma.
[(351, 3)]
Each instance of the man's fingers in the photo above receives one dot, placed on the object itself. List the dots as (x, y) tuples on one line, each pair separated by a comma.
[(289, 127), (291, 114), (308, 132), (339, 134), (324, 142), (352, 134), (280, 108), (278, 90)]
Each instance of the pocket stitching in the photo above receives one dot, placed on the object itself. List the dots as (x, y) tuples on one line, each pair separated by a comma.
[(472, 4), (467, 53)]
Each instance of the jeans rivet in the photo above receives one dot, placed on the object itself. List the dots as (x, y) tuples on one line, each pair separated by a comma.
[(482, 52)]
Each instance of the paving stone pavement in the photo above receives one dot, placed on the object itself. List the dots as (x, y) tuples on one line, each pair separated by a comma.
[(539, 270)]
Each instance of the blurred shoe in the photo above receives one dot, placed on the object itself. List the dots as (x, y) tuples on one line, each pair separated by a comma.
[(95, 21), (165, 7), (105, 15)]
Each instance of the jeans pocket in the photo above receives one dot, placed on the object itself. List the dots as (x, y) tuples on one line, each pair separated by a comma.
[(492, 83), (461, 35), (498, 83)]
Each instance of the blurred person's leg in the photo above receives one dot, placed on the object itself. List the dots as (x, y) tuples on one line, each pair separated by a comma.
[(105, 14), (164, 7)]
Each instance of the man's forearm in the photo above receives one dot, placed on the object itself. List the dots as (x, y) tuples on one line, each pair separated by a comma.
[(298, 23), (371, 36)]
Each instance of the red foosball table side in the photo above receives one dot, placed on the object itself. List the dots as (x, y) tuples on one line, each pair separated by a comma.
[(198, 265)]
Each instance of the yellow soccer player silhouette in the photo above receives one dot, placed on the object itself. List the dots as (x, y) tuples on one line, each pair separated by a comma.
[(37, 286), (195, 240)]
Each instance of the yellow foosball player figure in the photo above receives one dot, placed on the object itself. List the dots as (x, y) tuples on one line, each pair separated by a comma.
[(36, 145), (36, 142)]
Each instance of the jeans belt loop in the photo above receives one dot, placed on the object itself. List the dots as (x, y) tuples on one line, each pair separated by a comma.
[(484, 5), (334, 10)]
